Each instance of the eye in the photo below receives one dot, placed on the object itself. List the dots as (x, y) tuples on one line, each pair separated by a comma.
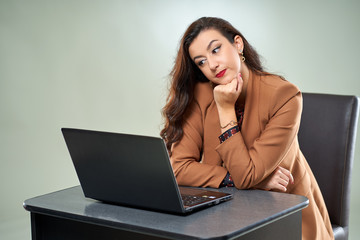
[(216, 50), (201, 62)]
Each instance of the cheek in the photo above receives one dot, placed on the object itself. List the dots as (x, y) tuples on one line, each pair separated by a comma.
[(236, 61), (210, 76), (206, 72)]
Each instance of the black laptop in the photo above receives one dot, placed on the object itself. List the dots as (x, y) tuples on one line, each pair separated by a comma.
[(132, 170)]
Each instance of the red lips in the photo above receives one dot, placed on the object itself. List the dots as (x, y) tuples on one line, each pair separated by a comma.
[(220, 74)]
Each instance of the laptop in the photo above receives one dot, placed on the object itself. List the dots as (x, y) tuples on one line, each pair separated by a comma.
[(132, 170)]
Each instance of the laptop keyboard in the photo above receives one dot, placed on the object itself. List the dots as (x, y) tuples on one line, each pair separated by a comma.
[(190, 200)]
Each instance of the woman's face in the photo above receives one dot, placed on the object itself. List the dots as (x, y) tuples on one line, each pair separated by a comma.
[(216, 57)]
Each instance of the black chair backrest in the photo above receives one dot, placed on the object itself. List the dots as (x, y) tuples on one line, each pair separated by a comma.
[(327, 139)]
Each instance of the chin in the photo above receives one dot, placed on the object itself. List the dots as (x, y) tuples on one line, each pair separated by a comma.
[(221, 81), (225, 81)]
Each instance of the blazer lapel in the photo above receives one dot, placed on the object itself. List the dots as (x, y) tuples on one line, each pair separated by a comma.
[(250, 129)]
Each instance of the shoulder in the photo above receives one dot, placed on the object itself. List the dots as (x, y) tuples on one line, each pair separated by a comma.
[(277, 84), (277, 91)]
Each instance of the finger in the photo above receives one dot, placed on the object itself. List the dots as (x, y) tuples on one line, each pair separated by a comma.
[(234, 83), (287, 173), (239, 77), (231, 87), (280, 187), (292, 179), (281, 174), (283, 182), (239, 82)]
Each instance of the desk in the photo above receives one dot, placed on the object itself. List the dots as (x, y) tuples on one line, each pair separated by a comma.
[(252, 214)]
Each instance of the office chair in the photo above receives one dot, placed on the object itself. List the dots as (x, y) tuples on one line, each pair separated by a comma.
[(327, 139)]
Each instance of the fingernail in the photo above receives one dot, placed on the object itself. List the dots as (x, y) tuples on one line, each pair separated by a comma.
[(240, 74)]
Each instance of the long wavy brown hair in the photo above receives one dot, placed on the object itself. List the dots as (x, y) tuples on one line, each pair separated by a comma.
[(185, 74)]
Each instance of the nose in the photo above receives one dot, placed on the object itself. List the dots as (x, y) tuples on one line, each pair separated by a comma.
[(213, 64)]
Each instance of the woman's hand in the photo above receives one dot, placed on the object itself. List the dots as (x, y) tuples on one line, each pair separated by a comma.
[(226, 95), (278, 180)]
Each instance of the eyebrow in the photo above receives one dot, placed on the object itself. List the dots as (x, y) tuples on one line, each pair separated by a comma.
[(208, 47)]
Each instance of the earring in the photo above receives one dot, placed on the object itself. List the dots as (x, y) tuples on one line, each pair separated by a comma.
[(242, 57)]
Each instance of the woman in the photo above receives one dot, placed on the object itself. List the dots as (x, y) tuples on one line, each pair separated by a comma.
[(228, 122)]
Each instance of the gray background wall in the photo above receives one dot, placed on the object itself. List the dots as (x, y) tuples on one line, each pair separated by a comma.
[(103, 65)]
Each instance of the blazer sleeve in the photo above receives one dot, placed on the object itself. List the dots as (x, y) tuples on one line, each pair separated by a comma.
[(249, 166), (186, 154)]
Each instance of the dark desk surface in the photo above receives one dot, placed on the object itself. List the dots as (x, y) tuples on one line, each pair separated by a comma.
[(248, 210)]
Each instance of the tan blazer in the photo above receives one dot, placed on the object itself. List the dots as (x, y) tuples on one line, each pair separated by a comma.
[(268, 139)]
